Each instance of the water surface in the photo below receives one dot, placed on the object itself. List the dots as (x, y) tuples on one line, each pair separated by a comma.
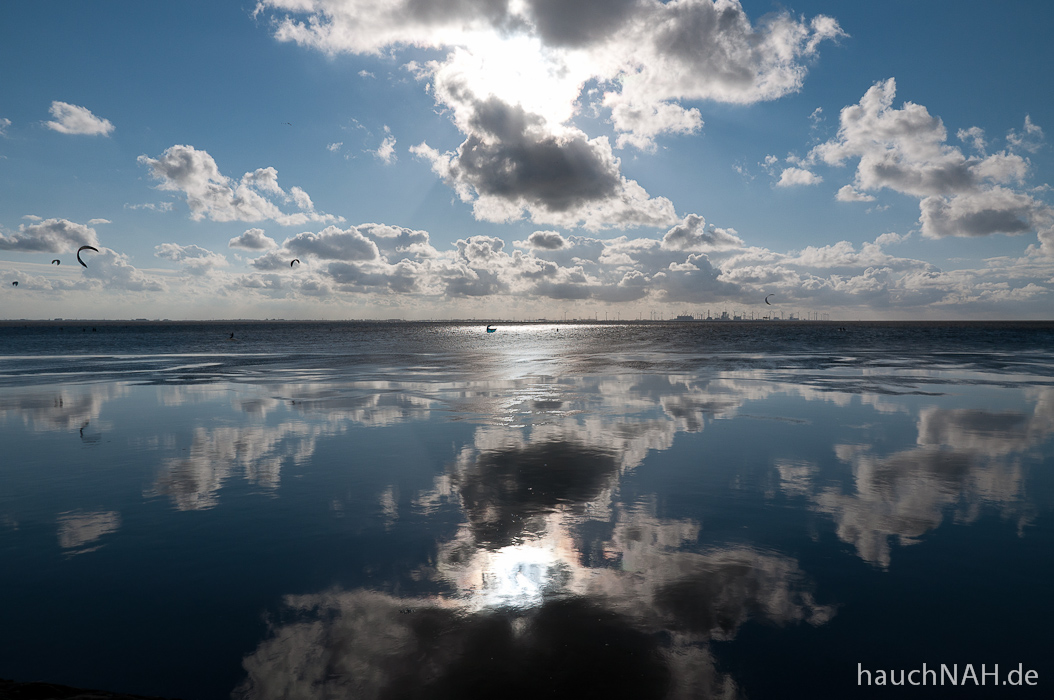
[(384, 510)]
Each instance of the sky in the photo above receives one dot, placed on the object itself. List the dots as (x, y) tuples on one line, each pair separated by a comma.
[(516, 159)]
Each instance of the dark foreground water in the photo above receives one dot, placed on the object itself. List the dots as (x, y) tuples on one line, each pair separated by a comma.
[(355, 510)]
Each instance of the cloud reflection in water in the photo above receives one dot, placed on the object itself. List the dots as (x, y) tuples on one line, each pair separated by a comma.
[(548, 562)]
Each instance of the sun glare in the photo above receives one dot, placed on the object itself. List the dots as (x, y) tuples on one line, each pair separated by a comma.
[(518, 70)]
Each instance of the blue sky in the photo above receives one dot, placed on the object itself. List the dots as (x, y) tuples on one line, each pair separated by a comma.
[(526, 158)]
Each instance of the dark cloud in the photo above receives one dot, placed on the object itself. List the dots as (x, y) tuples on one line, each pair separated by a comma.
[(683, 283), (692, 34), (547, 240), (634, 285), (475, 283), (447, 11), (520, 162), (576, 23), (401, 278), (563, 290), (331, 243), (994, 211)]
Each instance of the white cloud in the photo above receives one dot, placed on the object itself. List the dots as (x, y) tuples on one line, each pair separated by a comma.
[(96, 222), (693, 234), (975, 137), (112, 271), (334, 147), (151, 206), (848, 194), (195, 259), (816, 118), (905, 150), (71, 119), (691, 262), (386, 151), (253, 239), (50, 235), (794, 177), (214, 196), (1030, 138), (639, 124), (301, 199), (4, 123)]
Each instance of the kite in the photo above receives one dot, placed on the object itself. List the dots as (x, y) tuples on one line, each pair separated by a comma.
[(85, 247)]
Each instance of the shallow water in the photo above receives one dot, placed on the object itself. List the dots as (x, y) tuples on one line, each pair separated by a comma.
[(378, 510)]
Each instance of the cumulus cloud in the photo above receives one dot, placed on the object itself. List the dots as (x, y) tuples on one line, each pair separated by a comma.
[(848, 194), (691, 262), (906, 150), (112, 270), (71, 119), (547, 240), (364, 259), (702, 50), (793, 177), (511, 164), (333, 244), (693, 234), (211, 195), (253, 239), (483, 271), (979, 214), (4, 123), (514, 77), (195, 259), (50, 235)]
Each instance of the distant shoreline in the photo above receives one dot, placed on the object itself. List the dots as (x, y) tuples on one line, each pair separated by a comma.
[(498, 321)]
